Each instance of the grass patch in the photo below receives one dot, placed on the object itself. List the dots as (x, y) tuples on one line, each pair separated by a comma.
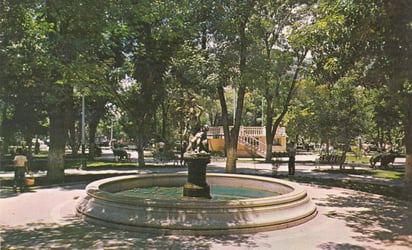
[(100, 164), (353, 158), (389, 191), (41, 155), (93, 164), (113, 165), (377, 173)]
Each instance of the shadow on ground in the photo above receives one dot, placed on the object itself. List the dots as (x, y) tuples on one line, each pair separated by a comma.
[(374, 217), (80, 235), (337, 246)]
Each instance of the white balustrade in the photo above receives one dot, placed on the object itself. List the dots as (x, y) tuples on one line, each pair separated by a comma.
[(252, 137)]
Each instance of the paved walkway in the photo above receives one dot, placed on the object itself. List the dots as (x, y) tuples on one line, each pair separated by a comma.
[(304, 167), (45, 218)]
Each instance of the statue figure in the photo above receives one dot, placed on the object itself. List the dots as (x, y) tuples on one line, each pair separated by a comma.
[(193, 119), (197, 154), (198, 143), (198, 134)]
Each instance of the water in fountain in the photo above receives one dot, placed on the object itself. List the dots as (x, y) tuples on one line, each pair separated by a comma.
[(221, 193)]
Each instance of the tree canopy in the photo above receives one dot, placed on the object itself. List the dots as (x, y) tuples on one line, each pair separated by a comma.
[(329, 70)]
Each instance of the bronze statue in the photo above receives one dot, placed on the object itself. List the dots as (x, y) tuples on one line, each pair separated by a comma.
[(198, 143), (193, 118), (198, 134)]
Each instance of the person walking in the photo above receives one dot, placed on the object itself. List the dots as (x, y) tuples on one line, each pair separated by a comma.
[(292, 154), (20, 168)]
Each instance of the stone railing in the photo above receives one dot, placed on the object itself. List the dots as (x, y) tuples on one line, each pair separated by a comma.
[(248, 131), (252, 131), (256, 145)]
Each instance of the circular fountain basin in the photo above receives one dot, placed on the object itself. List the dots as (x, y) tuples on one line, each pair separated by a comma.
[(193, 216)]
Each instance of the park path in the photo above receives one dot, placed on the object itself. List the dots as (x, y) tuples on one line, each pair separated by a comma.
[(46, 218)]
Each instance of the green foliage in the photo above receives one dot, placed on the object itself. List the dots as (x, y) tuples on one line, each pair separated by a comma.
[(343, 37), (146, 42), (314, 63)]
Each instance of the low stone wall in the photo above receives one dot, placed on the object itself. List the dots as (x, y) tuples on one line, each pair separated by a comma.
[(196, 217)]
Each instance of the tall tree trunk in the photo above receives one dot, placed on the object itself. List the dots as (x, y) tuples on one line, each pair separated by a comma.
[(140, 157), (60, 97), (231, 135), (140, 152), (29, 149), (92, 138), (269, 146), (231, 158), (55, 172), (71, 122), (164, 120), (272, 128), (408, 145), (269, 121), (225, 123)]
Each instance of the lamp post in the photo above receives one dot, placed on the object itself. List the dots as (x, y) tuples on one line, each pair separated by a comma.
[(83, 128), (263, 111), (83, 139), (234, 103), (111, 131)]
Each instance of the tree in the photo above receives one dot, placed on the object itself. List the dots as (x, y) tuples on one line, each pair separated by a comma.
[(21, 99), (232, 55), (150, 35), (370, 38), (70, 45), (339, 58), (387, 117), (278, 61), (55, 46), (96, 106), (187, 78), (300, 121), (396, 30)]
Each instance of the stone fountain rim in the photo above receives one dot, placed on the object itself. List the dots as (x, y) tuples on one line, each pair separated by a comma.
[(297, 193)]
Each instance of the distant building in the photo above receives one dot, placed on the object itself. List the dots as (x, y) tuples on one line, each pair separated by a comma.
[(252, 141)]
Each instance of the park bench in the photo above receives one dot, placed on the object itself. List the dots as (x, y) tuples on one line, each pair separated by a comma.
[(277, 157), (167, 156), (332, 159), (384, 158), (277, 160), (121, 154), (280, 154)]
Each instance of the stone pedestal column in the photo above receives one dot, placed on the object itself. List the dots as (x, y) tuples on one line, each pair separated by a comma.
[(196, 185)]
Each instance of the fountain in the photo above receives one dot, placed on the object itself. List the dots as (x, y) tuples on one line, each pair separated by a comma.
[(197, 157), (282, 205), (103, 206)]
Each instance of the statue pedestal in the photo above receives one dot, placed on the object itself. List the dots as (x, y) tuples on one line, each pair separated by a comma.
[(196, 185)]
